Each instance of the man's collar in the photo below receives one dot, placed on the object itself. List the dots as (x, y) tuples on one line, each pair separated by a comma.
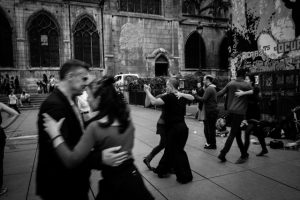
[(71, 101)]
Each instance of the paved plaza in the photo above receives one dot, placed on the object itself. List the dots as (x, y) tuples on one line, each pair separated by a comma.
[(275, 176)]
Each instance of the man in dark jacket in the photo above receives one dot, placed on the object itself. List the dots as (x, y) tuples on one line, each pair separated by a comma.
[(209, 100), (54, 180)]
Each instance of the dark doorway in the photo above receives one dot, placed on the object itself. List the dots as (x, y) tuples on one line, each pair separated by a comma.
[(6, 50), (194, 52), (161, 66)]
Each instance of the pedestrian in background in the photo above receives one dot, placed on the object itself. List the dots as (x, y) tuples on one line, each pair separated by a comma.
[(13, 101), (200, 92), (45, 84), (52, 83), (209, 100), (17, 85)]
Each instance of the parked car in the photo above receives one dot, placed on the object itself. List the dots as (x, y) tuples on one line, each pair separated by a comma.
[(123, 79)]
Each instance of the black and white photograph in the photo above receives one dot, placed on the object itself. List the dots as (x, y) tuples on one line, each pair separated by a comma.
[(149, 99)]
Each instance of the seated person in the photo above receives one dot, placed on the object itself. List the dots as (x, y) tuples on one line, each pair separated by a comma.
[(25, 98)]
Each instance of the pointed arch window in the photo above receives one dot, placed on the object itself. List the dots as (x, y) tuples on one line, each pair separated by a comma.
[(86, 42), (194, 52), (6, 49), (43, 36)]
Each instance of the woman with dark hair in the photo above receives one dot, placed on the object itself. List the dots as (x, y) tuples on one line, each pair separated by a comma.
[(252, 123), (176, 131), (111, 127)]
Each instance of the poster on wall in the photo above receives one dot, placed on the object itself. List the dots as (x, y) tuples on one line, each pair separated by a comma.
[(265, 35)]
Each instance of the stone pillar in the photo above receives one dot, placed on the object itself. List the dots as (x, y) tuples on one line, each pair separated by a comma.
[(21, 57), (66, 54)]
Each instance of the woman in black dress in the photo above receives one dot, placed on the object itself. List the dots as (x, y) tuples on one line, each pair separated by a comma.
[(176, 132)]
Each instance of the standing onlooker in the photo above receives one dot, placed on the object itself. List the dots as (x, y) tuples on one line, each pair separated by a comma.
[(39, 87), (237, 107), (17, 85), (12, 117), (1, 84), (210, 111), (254, 126), (53, 179), (52, 83), (7, 84), (13, 101), (200, 93), (45, 84), (83, 106), (12, 83)]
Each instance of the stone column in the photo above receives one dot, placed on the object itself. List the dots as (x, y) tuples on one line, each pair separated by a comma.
[(22, 59), (66, 54)]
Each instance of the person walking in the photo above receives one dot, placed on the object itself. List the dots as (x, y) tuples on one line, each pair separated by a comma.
[(237, 107), (112, 126), (176, 130), (53, 179), (3, 125), (13, 101), (210, 111), (253, 124)]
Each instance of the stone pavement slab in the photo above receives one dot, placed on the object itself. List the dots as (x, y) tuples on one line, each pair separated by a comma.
[(199, 190), (290, 177), (250, 185), (275, 176)]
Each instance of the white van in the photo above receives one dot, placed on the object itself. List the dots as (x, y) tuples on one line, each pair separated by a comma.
[(121, 79)]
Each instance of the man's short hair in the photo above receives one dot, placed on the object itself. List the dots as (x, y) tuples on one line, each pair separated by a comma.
[(209, 77), (71, 65), (174, 82), (241, 73)]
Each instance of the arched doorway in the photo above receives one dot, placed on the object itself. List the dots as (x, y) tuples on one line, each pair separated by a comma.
[(224, 54), (194, 52), (161, 66), (6, 49)]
